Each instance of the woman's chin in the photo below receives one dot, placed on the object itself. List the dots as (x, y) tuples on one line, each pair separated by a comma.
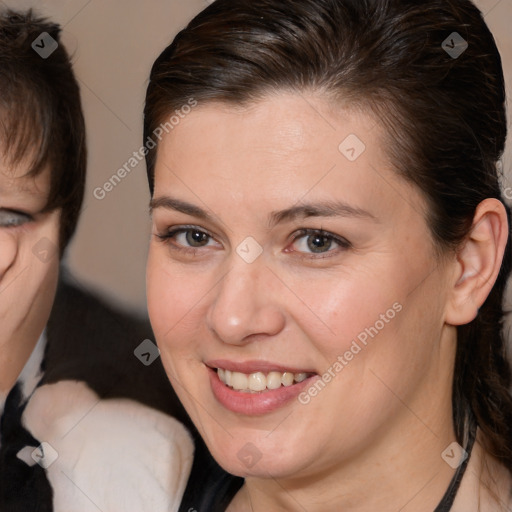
[(248, 464), (259, 457)]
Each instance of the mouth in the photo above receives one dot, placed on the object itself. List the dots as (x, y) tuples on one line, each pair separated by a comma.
[(260, 382), (256, 388)]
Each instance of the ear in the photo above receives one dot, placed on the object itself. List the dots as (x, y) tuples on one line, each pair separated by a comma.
[(478, 262)]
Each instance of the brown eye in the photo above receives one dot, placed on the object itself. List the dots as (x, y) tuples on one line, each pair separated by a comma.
[(196, 238)]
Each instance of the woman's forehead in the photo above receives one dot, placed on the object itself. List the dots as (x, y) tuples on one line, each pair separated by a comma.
[(284, 149), (289, 131)]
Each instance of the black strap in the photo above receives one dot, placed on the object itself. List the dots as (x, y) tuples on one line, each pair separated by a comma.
[(446, 503)]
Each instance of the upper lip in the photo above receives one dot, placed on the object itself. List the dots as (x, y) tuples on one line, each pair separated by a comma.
[(249, 367)]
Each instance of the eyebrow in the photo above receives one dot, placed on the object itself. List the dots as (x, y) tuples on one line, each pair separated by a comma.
[(171, 203), (304, 210), (322, 209)]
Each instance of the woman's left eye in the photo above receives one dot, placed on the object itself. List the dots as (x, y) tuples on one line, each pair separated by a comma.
[(12, 219), (318, 242)]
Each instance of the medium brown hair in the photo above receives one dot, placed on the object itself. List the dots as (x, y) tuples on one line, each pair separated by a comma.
[(41, 116), (444, 115)]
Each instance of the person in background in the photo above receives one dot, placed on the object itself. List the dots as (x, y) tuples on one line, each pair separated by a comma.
[(84, 424)]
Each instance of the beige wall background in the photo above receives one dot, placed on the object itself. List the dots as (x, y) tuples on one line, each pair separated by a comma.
[(114, 43)]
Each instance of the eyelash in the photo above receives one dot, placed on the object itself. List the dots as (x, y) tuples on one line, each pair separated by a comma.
[(341, 242), (20, 218)]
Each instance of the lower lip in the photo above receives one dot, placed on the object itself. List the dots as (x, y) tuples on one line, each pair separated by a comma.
[(252, 404)]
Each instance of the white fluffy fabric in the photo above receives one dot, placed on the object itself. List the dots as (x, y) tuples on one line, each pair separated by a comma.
[(113, 455)]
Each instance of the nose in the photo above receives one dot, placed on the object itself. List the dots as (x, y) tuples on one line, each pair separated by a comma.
[(245, 305), (8, 251)]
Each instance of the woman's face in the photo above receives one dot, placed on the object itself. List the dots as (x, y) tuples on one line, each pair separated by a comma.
[(29, 261), (293, 288)]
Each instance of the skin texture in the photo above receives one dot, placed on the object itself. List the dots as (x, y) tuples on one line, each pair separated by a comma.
[(356, 444), (29, 262)]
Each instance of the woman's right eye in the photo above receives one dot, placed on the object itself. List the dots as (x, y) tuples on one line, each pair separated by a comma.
[(12, 218), (192, 238), (188, 238)]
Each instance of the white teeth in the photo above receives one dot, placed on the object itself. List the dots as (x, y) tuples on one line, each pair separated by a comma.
[(287, 379), (273, 380), (258, 381), (239, 381)]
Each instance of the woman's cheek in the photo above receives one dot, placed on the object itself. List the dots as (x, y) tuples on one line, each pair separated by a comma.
[(161, 307), (340, 309), (171, 298)]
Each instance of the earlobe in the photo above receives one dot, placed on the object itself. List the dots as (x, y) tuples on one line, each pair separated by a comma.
[(478, 262)]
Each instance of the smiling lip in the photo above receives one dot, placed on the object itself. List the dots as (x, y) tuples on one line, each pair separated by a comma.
[(259, 403)]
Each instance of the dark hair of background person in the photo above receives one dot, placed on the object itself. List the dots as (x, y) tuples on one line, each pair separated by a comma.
[(444, 119), (41, 120)]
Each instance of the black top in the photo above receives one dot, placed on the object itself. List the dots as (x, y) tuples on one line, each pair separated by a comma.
[(209, 487)]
